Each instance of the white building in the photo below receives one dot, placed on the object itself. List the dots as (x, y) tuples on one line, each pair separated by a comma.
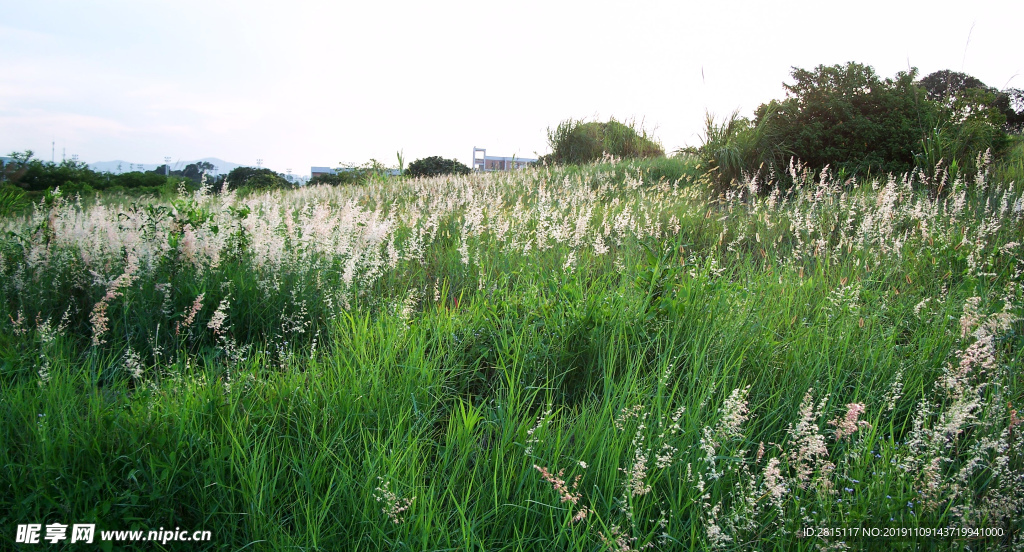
[(484, 162)]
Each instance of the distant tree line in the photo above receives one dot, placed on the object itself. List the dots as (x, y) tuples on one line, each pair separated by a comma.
[(32, 176)]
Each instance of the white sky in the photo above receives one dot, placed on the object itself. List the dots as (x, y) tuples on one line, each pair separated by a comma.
[(317, 83)]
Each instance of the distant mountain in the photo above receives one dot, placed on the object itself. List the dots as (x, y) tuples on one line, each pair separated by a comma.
[(223, 167)]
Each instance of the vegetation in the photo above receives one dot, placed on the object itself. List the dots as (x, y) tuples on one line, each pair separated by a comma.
[(560, 358), (968, 97), (576, 142), (436, 166), (738, 148), (356, 175), (855, 122), (253, 178), (33, 178), (614, 350), (849, 118)]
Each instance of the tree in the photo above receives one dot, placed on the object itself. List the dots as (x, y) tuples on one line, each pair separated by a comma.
[(33, 175), (257, 179), (1011, 103), (963, 98), (848, 117), (436, 166), (16, 167), (195, 171), (944, 84)]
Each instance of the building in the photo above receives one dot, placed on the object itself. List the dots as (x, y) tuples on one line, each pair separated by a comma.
[(317, 171), (484, 162)]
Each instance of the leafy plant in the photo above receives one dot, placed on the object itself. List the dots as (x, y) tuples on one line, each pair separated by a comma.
[(12, 200), (739, 148)]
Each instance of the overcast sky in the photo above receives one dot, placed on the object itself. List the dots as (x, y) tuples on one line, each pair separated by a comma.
[(318, 83)]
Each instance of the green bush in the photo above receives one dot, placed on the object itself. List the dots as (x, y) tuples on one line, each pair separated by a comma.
[(738, 148), (435, 166), (848, 117), (575, 142), (340, 179), (968, 118)]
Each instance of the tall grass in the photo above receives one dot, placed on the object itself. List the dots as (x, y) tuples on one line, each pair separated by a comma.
[(550, 359), (737, 149)]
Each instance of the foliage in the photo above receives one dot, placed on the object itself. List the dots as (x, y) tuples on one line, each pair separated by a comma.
[(31, 174), (1013, 98), (964, 98), (945, 85), (355, 175), (968, 118), (738, 148), (849, 118), (576, 142), (37, 177), (255, 179), (12, 200), (436, 166), (327, 179), (1010, 168)]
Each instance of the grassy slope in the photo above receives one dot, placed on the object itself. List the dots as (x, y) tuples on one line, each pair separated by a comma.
[(557, 358)]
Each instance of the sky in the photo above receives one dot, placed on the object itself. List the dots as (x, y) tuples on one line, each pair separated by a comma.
[(299, 84)]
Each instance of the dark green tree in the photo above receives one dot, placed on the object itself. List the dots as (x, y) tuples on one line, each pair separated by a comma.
[(34, 175), (1011, 103), (256, 179), (963, 98), (435, 166), (945, 84), (195, 171), (848, 117)]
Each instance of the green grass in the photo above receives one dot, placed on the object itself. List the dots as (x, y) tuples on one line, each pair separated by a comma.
[(448, 377)]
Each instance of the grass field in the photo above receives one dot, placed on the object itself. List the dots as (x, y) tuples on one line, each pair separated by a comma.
[(620, 356)]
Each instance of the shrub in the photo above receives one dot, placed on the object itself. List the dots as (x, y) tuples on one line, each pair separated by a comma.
[(331, 179), (738, 148), (848, 117), (435, 166), (575, 142), (968, 118)]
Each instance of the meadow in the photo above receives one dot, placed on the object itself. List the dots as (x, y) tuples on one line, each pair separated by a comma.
[(619, 356)]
